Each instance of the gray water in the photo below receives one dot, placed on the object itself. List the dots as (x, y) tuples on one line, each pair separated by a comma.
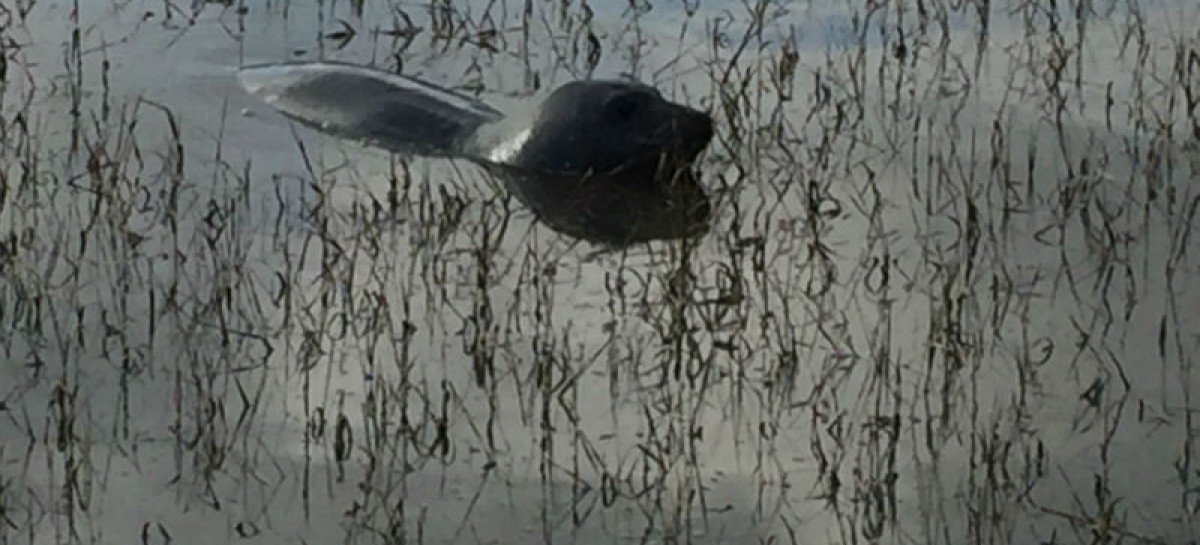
[(947, 297)]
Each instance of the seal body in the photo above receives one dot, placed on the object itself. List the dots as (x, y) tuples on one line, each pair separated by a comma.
[(605, 161)]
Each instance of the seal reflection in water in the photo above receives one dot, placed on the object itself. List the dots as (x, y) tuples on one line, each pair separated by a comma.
[(605, 161)]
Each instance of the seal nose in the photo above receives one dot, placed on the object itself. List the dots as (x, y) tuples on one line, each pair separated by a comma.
[(704, 123), (696, 130)]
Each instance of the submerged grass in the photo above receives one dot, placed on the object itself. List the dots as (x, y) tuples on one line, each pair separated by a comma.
[(948, 297)]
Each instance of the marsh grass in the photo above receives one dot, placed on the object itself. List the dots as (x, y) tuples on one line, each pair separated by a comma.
[(948, 297)]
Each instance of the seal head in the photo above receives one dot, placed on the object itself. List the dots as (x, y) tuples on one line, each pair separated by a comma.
[(611, 162)]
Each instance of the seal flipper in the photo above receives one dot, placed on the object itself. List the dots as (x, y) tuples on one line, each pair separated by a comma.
[(378, 108)]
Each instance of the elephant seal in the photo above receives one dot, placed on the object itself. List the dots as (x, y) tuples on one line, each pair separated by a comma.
[(601, 160)]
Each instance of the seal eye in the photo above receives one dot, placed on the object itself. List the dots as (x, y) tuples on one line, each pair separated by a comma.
[(623, 107)]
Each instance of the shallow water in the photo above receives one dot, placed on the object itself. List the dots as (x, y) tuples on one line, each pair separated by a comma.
[(185, 346)]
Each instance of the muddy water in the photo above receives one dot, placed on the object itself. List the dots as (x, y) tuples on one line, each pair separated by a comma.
[(264, 345)]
